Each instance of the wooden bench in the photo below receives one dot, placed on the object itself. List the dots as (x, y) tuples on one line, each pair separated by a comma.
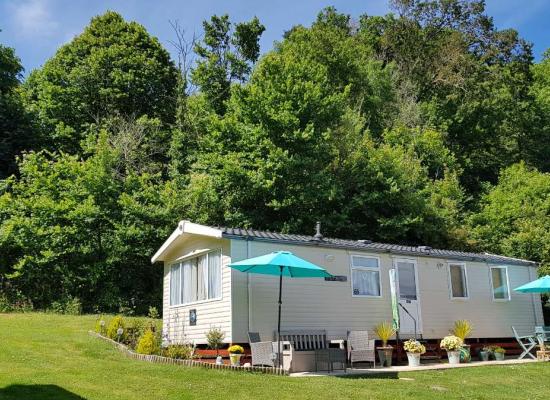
[(299, 347)]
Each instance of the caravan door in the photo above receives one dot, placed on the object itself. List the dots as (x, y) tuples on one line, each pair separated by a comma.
[(407, 292)]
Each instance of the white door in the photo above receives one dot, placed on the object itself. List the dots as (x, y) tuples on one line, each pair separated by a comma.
[(407, 292)]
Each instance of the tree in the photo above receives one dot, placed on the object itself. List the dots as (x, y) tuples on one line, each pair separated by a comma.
[(539, 140), (15, 129), (224, 56), (80, 228), (113, 67), (513, 218)]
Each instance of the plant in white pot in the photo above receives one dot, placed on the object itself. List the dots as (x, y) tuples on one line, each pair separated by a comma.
[(235, 354), (385, 331), (463, 329), (414, 350), (453, 345), (214, 338), (499, 353)]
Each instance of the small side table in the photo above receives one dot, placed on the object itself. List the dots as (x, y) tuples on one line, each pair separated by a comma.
[(330, 356)]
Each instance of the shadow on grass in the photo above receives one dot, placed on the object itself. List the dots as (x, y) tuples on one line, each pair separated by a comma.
[(37, 392), (367, 375)]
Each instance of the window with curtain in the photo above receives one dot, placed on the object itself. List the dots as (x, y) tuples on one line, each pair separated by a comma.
[(499, 280), (365, 276), (196, 279), (459, 285)]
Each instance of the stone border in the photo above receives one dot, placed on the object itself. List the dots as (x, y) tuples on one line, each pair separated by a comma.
[(187, 363)]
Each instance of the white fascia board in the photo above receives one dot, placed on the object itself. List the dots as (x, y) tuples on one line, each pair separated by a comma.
[(185, 227)]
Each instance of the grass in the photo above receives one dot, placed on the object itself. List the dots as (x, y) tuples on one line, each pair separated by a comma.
[(47, 357)]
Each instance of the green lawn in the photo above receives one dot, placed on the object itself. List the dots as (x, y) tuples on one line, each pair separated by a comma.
[(52, 357)]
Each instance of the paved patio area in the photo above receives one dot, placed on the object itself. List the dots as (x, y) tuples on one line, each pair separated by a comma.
[(405, 368)]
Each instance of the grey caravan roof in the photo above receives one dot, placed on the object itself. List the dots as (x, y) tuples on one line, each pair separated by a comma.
[(425, 251)]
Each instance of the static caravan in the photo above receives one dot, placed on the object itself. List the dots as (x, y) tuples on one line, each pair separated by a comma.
[(435, 287)]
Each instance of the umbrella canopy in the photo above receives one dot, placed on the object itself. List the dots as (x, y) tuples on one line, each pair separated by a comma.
[(541, 285), (280, 263), (270, 264)]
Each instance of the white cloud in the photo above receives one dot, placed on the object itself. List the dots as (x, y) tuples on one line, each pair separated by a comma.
[(33, 18)]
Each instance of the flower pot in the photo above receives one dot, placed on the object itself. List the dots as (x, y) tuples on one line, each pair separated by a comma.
[(465, 355), (499, 356), (219, 360), (385, 356), (414, 359), (454, 357), (235, 359), (484, 355)]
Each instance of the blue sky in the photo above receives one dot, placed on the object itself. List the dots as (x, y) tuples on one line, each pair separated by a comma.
[(36, 28)]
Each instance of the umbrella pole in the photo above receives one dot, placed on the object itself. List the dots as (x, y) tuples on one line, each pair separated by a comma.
[(279, 322)]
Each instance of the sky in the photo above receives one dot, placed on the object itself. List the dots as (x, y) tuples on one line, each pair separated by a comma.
[(37, 28)]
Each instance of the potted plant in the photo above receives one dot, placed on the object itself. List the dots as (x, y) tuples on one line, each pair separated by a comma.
[(214, 338), (235, 354), (462, 329), (414, 350), (385, 331), (453, 345), (484, 353), (499, 353)]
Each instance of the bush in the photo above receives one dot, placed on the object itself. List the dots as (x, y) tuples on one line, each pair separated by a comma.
[(14, 302), (214, 338), (153, 313), (116, 322), (179, 351), (414, 346), (148, 343), (134, 331), (70, 306)]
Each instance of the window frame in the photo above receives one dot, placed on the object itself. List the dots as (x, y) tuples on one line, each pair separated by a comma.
[(180, 261), (492, 287), (378, 269), (466, 285)]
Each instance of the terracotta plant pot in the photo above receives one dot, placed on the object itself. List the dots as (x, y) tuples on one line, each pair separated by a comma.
[(385, 356)]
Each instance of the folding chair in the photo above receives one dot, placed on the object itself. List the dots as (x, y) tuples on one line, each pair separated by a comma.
[(527, 343)]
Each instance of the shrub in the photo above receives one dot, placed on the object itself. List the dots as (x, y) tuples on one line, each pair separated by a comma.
[(498, 349), (179, 351), (116, 322), (462, 329), (451, 343), (384, 331), (214, 338), (235, 349), (69, 305), (14, 302), (414, 346), (148, 343), (134, 331), (153, 313)]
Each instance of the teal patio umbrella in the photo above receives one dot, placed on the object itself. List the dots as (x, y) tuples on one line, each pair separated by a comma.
[(541, 285), (280, 263)]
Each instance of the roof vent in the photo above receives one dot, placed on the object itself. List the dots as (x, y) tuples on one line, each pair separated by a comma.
[(365, 241), (318, 236), (425, 248)]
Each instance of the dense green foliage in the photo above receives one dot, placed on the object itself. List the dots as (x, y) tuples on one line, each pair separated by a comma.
[(15, 127), (53, 357), (427, 126)]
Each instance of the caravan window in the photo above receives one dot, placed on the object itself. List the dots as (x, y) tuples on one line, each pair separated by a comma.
[(365, 276), (459, 283), (196, 279), (499, 281)]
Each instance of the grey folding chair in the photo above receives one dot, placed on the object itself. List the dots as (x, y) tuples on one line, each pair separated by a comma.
[(542, 334), (527, 343)]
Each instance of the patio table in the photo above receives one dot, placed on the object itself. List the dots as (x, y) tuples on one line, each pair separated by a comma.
[(330, 356)]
